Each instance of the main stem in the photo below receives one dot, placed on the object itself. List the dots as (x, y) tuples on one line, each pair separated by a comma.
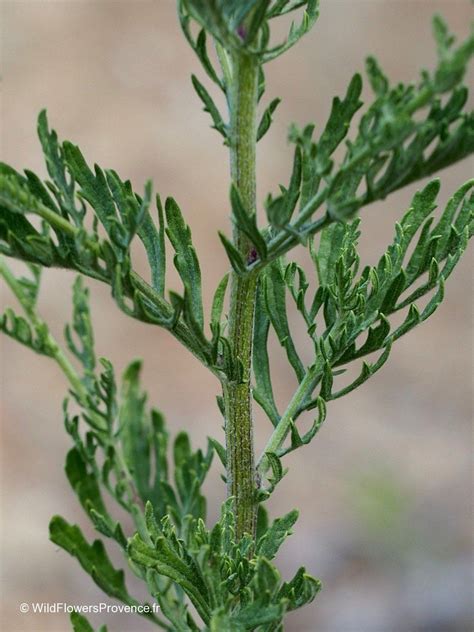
[(241, 473)]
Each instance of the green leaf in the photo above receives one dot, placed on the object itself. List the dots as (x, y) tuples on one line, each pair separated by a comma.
[(301, 590), (94, 187), (280, 529), (283, 7), (337, 127), (266, 579), (25, 288), (298, 440), (159, 446), (296, 32), (377, 78), (329, 252), (218, 305), (452, 61), (201, 51), (393, 293), (395, 144), (275, 300), (121, 212), (267, 118), (64, 186), (84, 482), (262, 522), (258, 20), (367, 371), (359, 305), (220, 450), (247, 223), (236, 260), (413, 318), (81, 624), (106, 527), (210, 107), (135, 430), (434, 302), (181, 449), (274, 464), (92, 557), (281, 209), (185, 261), (154, 242), (423, 204), (295, 279), (19, 239), (82, 326), (16, 196), (457, 204), (310, 180), (263, 391), (199, 45), (320, 404), (258, 613), (218, 19), (326, 382), (222, 621), (376, 336), (131, 208), (35, 337), (190, 471), (166, 561)]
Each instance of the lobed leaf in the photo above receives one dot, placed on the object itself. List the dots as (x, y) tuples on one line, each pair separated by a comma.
[(263, 391), (92, 558), (186, 263), (276, 534), (394, 146), (210, 107), (275, 301), (36, 337)]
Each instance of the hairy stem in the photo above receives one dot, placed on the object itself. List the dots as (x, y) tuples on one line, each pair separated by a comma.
[(241, 475)]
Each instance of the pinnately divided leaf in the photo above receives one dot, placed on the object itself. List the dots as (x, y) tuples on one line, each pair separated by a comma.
[(186, 261), (408, 133), (221, 577), (277, 533), (92, 558), (18, 328)]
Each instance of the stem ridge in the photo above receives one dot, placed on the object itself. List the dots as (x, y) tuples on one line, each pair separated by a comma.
[(241, 473)]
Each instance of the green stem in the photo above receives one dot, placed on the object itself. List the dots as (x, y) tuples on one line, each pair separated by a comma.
[(281, 431), (241, 474)]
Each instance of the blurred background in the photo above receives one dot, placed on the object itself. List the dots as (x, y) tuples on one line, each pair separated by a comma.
[(384, 491)]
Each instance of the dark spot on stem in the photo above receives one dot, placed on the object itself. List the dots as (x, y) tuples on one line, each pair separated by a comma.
[(242, 32), (252, 256)]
